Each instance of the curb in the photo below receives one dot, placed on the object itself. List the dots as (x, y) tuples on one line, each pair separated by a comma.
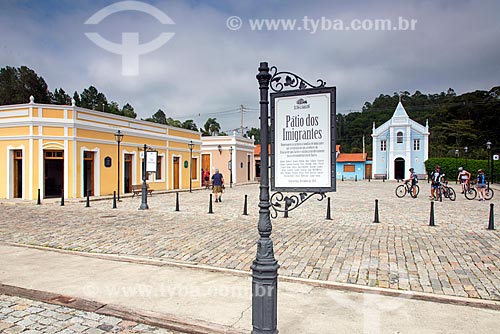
[(407, 294), (168, 321)]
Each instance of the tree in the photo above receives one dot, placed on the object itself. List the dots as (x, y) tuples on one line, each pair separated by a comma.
[(113, 108), (91, 98), (128, 111), (76, 97), (190, 125), (211, 127), (60, 97), (18, 84), (255, 133), (158, 117)]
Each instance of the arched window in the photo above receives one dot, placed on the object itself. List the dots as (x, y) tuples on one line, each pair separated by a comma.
[(399, 137)]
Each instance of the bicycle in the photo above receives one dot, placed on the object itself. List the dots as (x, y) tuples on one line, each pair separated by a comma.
[(402, 189), (447, 192), (472, 193), (469, 192)]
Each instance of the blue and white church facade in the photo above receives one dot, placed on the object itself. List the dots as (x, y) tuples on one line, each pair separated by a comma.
[(399, 144)]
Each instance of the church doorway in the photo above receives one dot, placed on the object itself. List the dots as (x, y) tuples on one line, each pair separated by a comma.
[(399, 168)]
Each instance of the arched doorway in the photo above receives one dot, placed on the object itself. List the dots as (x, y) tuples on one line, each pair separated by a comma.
[(399, 168)]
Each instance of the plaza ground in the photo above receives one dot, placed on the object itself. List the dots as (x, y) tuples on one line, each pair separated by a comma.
[(458, 257)]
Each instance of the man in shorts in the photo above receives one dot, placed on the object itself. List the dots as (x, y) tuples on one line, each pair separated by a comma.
[(217, 182), (481, 185), (436, 176), (464, 179), (414, 180)]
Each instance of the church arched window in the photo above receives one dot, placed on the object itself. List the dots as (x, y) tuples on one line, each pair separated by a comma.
[(399, 137)]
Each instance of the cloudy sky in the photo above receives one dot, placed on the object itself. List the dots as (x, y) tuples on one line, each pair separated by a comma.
[(207, 68)]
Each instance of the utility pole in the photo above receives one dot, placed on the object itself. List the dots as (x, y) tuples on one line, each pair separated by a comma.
[(242, 109)]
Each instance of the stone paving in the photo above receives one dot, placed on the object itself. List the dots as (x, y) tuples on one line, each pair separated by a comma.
[(20, 315), (457, 257)]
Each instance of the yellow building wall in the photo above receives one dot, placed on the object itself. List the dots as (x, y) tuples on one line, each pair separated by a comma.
[(52, 113), (53, 131), (15, 131)]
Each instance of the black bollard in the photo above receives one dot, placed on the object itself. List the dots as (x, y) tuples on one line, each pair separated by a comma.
[(245, 213), (114, 199), (210, 205), (383, 178), (177, 201), (342, 178), (491, 224), (328, 213), (62, 196), (87, 205), (431, 218), (355, 178), (38, 201), (376, 220), (285, 214), (369, 178)]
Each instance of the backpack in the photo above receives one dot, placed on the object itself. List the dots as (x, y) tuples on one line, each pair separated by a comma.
[(415, 177)]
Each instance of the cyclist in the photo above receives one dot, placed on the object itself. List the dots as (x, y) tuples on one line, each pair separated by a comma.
[(481, 185), (435, 182), (464, 179), (414, 180)]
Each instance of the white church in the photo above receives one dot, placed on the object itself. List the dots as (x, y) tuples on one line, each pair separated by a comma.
[(398, 145)]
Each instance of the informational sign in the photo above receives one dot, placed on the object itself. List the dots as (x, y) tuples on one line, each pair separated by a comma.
[(495, 157), (151, 161), (107, 162), (303, 140)]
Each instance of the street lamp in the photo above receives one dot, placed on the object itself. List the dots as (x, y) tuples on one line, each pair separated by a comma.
[(456, 161), (118, 138), (488, 148), (144, 189), (230, 166), (466, 150), (190, 162)]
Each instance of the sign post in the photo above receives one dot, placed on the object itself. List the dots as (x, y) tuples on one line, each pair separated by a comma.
[(149, 165)]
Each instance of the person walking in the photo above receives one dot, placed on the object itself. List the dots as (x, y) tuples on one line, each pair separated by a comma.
[(481, 185), (206, 178), (217, 182)]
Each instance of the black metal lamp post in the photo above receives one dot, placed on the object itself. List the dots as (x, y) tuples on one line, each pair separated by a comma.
[(466, 150), (118, 138), (488, 148), (230, 167), (190, 162), (144, 190), (456, 160), (264, 267)]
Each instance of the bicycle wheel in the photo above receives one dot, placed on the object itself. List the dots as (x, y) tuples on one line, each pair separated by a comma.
[(471, 193), (444, 191), (489, 193), (414, 194), (400, 191), (451, 193)]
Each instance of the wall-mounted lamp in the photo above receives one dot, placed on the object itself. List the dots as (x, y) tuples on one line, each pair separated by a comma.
[(220, 149)]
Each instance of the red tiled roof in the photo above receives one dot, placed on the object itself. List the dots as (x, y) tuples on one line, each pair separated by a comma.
[(256, 150), (351, 157)]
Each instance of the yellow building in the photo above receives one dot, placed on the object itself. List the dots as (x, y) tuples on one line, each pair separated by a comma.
[(60, 147)]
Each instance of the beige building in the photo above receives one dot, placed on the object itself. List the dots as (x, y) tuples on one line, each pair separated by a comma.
[(232, 155)]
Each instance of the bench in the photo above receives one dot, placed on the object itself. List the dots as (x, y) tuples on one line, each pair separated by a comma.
[(137, 189), (380, 176)]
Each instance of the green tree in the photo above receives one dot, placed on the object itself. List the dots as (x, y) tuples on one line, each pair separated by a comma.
[(18, 84), (91, 98), (255, 133), (128, 111), (159, 117), (113, 108), (190, 125), (61, 97), (211, 127)]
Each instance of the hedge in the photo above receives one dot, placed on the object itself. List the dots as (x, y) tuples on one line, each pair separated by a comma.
[(449, 166)]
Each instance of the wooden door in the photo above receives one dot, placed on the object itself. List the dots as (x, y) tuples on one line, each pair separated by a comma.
[(127, 174), (18, 174), (88, 173), (368, 171), (176, 172), (53, 173)]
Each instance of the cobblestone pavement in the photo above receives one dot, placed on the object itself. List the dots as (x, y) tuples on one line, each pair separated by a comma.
[(20, 315), (457, 257)]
